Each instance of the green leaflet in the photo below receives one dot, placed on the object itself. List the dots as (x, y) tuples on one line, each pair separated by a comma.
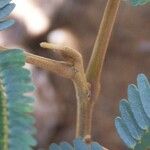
[(133, 125), (78, 144), (5, 9), (16, 122), (139, 2)]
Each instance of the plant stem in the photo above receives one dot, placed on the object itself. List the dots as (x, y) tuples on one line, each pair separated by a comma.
[(94, 69), (87, 86), (4, 118), (80, 83), (83, 96), (62, 68)]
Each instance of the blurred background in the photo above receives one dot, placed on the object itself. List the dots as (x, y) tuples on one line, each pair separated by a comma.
[(75, 23)]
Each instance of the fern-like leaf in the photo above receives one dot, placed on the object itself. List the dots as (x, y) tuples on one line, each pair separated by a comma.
[(5, 9), (133, 125), (139, 2), (16, 121), (78, 144)]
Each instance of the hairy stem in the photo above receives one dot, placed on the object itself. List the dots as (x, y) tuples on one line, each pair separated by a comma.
[(83, 97), (94, 69), (61, 68), (80, 83)]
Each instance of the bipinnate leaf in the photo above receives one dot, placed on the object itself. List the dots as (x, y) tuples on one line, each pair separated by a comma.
[(139, 2), (133, 125), (78, 144), (16, 106), (5, 9)]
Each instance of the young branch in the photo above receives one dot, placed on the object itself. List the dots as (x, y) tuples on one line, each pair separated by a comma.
[(61, 68), (82, 88), (80, 83), (73, 69), (66, 52), (94, 69)]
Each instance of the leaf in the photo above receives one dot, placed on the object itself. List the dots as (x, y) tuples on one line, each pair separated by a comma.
[(6, 24), (144, 91), (16, 121), (4, 3), (124, 133), (5, 9), (134, 124), (137, 108), (78, 144), (129, 120), (65, 146), (139, 2)]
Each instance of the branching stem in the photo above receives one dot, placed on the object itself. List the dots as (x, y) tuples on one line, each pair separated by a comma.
[(62, 68), (87, 85), (80, 83), (72, 68)]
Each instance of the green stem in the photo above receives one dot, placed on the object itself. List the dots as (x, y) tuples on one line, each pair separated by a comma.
[(4, 121), (83, 99), (94, 69)]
